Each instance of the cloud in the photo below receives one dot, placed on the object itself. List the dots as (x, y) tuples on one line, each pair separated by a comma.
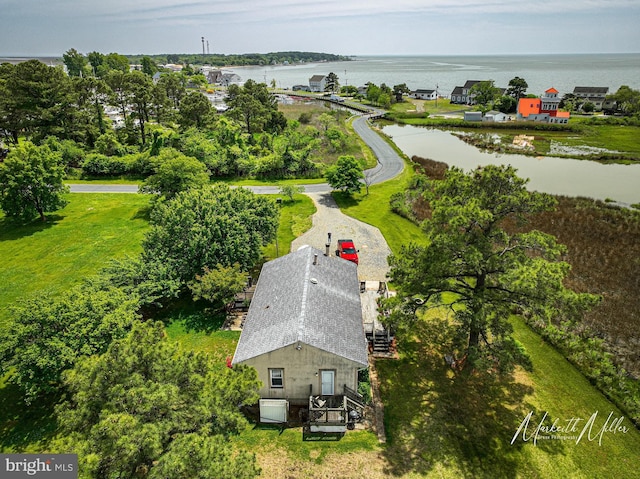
[(340, 26), (257, 10)]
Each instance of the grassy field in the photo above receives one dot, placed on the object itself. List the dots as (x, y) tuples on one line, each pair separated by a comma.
[(432, 107), (72, 244), (437, 425), (295, 219), (326, 154), (441, 425)]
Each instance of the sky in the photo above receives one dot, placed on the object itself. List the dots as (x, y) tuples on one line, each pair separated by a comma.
[(347, 27)]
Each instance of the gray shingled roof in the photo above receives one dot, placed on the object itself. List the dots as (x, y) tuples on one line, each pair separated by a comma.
[(317, 305), (602, 90)]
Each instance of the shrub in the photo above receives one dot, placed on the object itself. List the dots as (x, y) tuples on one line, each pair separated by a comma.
[(100, 165)]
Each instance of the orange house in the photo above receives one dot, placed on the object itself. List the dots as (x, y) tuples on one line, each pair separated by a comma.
[(542, 109)]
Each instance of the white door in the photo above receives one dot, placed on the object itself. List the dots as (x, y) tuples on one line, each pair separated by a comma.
[(327, 382)]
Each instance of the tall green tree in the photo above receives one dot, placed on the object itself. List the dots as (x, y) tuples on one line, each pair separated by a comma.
[(49, 334), (146, 408), (205, 227), (119, 96), (254, 106), (627, 100), (10, 114), (39, 102), (149, 67), (478, 273), (517, 88), (114, 61), (89, 95), (484, 93), (195, 109), (140, 86), (331, 83), (95, 59), (399, 90), (175, 87), (75, 62), (345, 175), (175, 175), (31, 182)]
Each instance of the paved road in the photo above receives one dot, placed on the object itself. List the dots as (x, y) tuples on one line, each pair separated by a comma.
[(105, 188), (328, 218)]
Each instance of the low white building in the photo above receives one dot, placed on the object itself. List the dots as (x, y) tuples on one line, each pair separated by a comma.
[(493, 115), (424, 94)]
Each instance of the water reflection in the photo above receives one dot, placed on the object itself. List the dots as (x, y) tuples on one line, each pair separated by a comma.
[(559, 176)]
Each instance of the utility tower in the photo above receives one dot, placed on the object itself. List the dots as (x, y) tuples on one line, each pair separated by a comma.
[(207, 47), (202, 46)]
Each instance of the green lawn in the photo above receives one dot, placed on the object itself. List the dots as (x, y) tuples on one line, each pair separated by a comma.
[(375, 210), (295, 219), (72, 244), (441, 425), (438, 425)]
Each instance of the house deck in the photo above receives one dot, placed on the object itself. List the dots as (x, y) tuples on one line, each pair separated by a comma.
[(380, 339)]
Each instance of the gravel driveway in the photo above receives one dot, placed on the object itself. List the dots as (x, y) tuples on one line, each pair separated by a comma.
[(368, 239)]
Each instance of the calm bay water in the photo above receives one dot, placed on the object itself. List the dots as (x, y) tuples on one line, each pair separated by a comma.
[(563, 72), (559, 176)]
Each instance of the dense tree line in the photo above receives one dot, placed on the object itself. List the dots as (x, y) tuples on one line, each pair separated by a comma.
[(217, 59), (40, 103)]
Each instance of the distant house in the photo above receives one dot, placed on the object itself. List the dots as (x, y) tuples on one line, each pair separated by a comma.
[(593, 94), (230, 79), (493, 115), (456, 95), (461, 93), (303, 332), (300, 88), (424, 94), (317, 83), (544, 109), (156, 77), (214, 77), (173, 67)]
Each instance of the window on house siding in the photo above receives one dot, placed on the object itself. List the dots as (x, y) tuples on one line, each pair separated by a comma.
[(276, 378)]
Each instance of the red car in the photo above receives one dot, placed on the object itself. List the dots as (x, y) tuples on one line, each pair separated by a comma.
[(347, 250)]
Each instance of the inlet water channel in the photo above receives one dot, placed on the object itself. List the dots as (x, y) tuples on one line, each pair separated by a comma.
[(558, 176)]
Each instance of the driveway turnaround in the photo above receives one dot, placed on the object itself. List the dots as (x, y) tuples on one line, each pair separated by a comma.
[(368, 239)]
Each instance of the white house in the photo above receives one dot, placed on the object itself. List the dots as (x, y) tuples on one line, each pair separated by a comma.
[(317, 83), (424, 94), (493, 115), (592, 94)]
